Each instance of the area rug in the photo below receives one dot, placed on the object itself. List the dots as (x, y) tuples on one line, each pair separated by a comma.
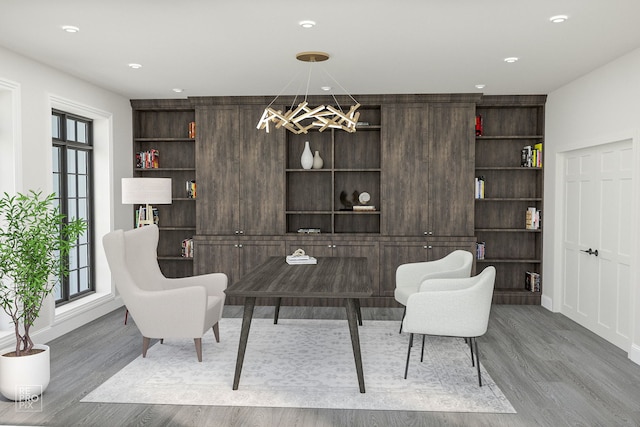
[(308, 364)]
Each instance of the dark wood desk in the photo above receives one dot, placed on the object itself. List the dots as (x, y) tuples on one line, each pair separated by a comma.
[(342, 278)]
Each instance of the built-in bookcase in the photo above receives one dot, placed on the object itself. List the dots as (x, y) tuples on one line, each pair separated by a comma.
[(163, 125), (509, 123), (351, 165)]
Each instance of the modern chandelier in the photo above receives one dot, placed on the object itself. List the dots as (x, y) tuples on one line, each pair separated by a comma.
[(303, 117)]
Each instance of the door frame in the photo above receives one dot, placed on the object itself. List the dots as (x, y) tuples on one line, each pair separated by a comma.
[(554, 301)]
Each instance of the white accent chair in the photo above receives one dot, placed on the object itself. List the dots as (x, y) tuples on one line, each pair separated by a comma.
[(162, 307), (452, 308), (409, 276)]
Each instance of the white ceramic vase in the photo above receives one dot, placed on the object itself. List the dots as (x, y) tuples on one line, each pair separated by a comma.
[(25, 377), (307, 157), (317, 161)]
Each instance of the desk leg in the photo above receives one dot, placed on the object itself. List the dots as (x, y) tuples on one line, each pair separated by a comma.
[(249, 304), (276, 314), (351, 306)]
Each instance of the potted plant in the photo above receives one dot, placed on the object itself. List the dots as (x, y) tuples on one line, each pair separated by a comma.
[(34, 242)]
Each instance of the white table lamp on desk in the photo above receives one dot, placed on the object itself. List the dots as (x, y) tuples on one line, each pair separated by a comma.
[(147, 191)]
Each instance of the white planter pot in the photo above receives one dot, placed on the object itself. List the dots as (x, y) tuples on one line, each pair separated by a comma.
[(26, 376)]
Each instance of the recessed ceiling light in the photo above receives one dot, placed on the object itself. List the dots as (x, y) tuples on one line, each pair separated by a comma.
[(326, 88), (135, 66), (480, 86), (177, 90), (511, 59), (307, 24), (70, 28), (558, 19)]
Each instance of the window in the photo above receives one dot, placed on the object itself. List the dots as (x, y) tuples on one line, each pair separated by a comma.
[(72, 172)]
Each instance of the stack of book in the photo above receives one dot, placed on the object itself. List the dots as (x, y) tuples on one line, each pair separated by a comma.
[(532, 219), (480, 250), (149, 159), (192, 130), (301, 259), (365, 208), (480, 187), (191, 189), (187, 248), (531, 156), (532, 281)]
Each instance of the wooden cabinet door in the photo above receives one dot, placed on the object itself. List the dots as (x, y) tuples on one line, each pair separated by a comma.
[(219, 256), (368, 250), (254, 253), (217, 170), (451, 169), (405, 196), (394, 254), (261, 176)]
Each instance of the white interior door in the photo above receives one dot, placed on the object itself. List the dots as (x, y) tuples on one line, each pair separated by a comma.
[(597, 206)]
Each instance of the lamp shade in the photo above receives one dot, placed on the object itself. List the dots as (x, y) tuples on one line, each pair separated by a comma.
[(156, 191)]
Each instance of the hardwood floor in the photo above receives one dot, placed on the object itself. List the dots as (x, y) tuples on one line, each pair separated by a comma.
[(554, 372)]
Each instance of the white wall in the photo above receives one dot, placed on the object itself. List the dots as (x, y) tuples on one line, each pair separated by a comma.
[(600, 107), (28, 92)]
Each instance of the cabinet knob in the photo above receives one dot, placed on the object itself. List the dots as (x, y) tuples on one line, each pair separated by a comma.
[(235, 246), (241, 231), (333, 246), (429, 247), (240, 246), (237, 232)]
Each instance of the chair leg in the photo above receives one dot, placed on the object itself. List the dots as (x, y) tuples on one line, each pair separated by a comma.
[(126, 316), (161, 340), (198, 342), (404, 313), (358, 311), (276, 314), (422, 353), (475, 342), (216, 332), (145, 346), (470, 342), (406, 368)]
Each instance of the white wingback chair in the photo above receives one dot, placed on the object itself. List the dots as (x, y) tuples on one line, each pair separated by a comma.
[(162, 307), (451, 307), (409, 276)]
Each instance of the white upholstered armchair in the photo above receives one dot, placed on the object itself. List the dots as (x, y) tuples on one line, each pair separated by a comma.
[(162, 307), (453, 308), (409, 276)]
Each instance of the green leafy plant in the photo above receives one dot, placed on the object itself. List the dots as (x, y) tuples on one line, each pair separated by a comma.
[(34, 242)]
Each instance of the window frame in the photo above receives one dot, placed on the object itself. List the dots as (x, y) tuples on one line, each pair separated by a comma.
[(64, 147)]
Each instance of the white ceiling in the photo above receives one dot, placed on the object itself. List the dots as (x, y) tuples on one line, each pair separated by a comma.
[(217, 48)]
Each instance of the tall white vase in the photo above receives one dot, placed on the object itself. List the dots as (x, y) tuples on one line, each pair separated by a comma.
[(307, 157), (24, 377)]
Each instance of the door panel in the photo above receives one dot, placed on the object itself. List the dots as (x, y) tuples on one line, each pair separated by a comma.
[(597, 207)]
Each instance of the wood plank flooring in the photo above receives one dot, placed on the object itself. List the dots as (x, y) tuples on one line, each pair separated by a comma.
[(554, 372)]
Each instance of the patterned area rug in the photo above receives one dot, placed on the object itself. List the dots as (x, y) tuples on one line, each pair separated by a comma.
[(307, 364)]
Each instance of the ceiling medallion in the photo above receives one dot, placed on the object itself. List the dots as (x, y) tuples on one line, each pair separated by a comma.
[(304, 118)]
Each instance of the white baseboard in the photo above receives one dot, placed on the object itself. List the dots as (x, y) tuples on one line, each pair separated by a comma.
[(67, 322), (546, 302), (634, 354)]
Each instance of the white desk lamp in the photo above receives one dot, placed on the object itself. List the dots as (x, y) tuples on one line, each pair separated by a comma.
[(146, 191)]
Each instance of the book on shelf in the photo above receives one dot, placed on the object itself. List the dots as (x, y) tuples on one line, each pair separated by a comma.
[(532, 218), (480, 246), (479, 187), (187, 248), (191, 132), (191, 189), (309, 230), (531, 156), (362, 208), (301, 260), (532, 281), (479, 129), (149, 159)]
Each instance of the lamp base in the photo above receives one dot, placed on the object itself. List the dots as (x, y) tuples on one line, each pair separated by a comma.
[(145, 216)]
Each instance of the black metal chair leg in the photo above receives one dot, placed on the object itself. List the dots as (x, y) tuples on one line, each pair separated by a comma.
[(478, 362), (406, 369), (276, 312), (404, 313), (422, 353), (471, 347)]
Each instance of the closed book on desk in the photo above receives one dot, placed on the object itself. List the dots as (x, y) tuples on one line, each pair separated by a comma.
[(301, 260)]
